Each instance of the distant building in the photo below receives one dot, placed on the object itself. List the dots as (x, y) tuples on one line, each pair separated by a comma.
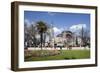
[(67, 38)]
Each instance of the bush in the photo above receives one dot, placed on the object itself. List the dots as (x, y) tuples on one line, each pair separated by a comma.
[(40, 53)]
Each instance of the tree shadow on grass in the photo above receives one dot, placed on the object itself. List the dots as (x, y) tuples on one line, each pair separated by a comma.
[(66, 58)]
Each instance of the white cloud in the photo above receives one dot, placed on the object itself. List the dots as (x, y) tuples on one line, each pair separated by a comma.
[(57, 30), (33, 22), (27, 22), (51, 13), (77, 27)]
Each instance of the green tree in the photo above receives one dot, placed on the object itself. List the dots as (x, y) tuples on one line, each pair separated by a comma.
[(42, 28), (32, 32)]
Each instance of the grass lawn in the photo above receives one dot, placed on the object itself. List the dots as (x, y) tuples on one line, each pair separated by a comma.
[(63, 55)]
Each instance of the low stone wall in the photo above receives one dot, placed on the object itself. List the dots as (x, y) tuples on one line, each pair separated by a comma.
[(44, 48)]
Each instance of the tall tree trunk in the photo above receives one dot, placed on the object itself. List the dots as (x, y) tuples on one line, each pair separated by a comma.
[(44, 39), (35, 41), (41, 39), (76, 41)]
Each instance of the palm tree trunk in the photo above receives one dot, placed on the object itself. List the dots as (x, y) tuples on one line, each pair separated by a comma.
[(44, 39), (41, 39)]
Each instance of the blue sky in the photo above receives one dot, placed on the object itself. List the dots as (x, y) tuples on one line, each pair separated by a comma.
[(60, 21)]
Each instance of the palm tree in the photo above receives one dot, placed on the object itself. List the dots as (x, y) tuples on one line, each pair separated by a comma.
[(42, 28)]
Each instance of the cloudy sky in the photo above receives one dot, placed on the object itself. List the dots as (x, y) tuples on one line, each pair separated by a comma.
[(60, 21)]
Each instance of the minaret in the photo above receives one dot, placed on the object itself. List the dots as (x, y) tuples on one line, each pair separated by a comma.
[(52, 34), (52, 30)]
